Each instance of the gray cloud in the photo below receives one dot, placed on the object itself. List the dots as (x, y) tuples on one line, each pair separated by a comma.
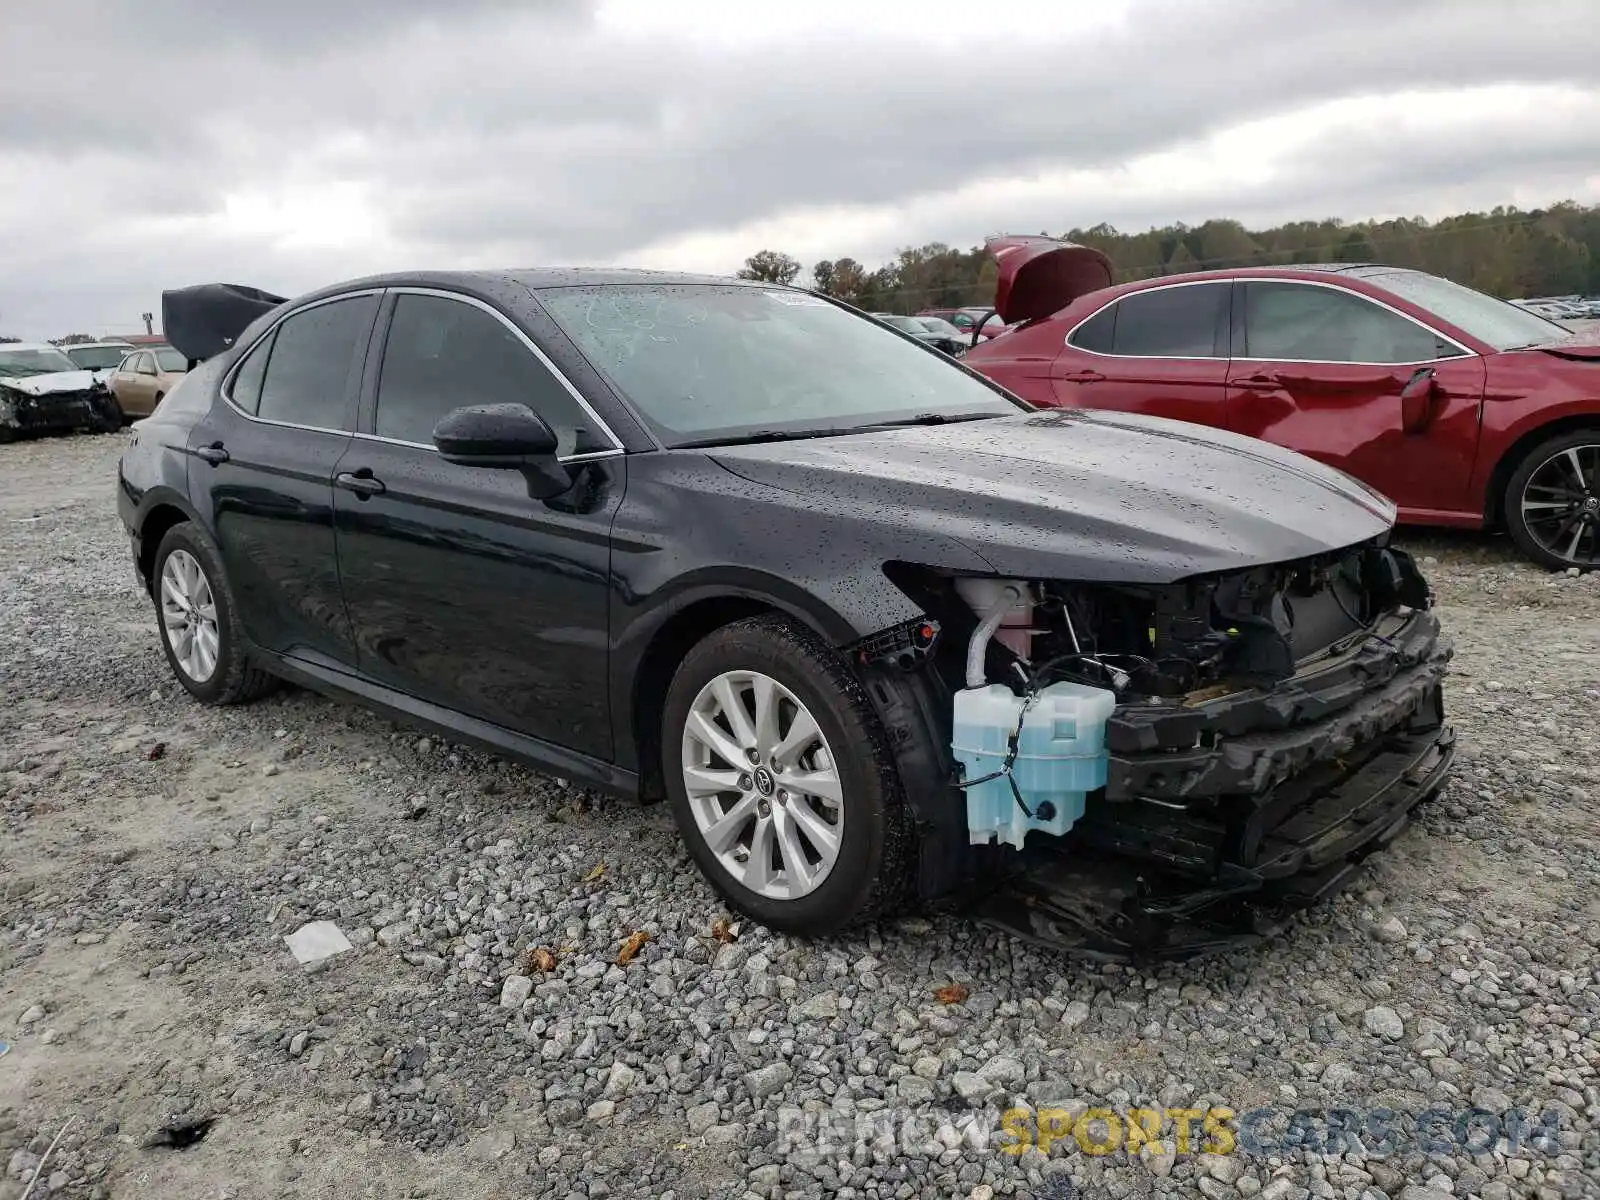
[(523, 129)]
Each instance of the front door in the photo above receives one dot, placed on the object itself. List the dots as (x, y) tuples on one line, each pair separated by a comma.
[(263, 469), (463, 590), (1163, 352), (1320, 369)]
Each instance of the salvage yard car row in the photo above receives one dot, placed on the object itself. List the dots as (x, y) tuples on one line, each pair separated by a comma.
[(94, 386)]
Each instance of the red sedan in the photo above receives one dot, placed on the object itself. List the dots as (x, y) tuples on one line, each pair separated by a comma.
[(1465, 410)]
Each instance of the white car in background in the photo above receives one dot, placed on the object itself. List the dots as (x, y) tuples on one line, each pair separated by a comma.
[(42, 390), (100, 357)]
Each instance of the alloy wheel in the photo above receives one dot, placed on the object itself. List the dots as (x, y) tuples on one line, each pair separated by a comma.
[(762, 785), (189, 616), (1561, 505)]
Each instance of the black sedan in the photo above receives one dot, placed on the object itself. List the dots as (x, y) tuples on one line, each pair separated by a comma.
[(931, 331), (879, 633)]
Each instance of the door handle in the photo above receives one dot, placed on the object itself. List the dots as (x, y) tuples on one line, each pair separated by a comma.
[(360, 482), (1257, 383), (215, 454), (1082, 377)]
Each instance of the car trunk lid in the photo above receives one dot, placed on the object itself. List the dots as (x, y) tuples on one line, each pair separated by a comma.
[(1040, 276)]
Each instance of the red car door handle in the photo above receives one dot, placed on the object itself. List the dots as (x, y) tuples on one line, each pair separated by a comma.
[(1257, 383), (1082, 377)]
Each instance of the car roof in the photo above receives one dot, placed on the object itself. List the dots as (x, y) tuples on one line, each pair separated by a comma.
[(101, 346), (5, 346), (1363, 270)]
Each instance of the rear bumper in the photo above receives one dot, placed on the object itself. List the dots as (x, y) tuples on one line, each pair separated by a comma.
[(1216, 845)]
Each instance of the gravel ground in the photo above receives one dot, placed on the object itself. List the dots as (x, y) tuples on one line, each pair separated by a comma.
[(155, 854)]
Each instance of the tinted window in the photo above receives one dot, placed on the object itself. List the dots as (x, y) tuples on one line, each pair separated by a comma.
[(443, 354), (1097, 332), (310, 365), (1321, 324), (246, 390), (1173, 322)]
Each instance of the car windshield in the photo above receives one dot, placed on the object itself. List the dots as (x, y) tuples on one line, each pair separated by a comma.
[(96, 358), (34, 362), (1499, 323), (168, 359), (939, 325), (704, 362)]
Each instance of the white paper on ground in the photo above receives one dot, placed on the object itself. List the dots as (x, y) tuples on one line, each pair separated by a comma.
[(317, 941)]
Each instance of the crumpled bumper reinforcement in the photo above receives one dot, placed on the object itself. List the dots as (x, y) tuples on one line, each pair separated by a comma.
[(1251, 827)]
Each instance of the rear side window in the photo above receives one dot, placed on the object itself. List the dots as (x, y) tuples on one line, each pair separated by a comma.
[(443, 354), (1097, 334), (1188, 321), (309, 370), (246, 389), (1306, 323)]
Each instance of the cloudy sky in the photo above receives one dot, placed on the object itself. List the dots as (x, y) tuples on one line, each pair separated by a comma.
[(291, 144)]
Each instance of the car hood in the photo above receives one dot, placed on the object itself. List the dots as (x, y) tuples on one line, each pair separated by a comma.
[(55, 381), (1091, 496), (1581, 346), (1039, 276)]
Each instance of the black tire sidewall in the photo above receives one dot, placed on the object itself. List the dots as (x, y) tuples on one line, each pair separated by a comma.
[(787, 657), (1517, 484), (185, 536)]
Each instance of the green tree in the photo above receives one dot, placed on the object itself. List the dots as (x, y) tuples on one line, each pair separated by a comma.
[(770, 266)]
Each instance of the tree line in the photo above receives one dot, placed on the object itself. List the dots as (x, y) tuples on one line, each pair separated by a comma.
[(1506, 252)]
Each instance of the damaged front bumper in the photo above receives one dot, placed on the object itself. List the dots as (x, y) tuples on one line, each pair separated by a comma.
[(1222, 817), (54, 412)]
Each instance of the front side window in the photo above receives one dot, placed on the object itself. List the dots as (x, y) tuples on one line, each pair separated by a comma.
[(705, 362), (444, 354), (309, 369), (142, 365), (1307, 323)]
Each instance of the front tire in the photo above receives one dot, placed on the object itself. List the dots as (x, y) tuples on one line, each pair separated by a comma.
[(780, 781), (1552, 501), (199, 621)]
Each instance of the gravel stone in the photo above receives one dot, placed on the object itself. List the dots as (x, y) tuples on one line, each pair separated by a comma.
[(1382, 1021), (1459, 969), (514, 992)]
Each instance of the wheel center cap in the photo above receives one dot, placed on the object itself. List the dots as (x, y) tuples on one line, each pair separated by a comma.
[(1592, 503), (765, 784)]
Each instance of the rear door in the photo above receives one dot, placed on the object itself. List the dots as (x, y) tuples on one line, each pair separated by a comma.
[(263, 470), (462, 589), (1319, 368), (1163, 352), (134, 390)]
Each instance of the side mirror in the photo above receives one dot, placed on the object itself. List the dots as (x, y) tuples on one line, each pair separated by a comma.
[(504, 436), (1417, 401)]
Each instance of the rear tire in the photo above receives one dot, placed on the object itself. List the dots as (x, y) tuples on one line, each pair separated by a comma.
[(804, 861), (199, 621), (1552, 501)]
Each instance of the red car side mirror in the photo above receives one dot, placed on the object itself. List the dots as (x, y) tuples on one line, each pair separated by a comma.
[(1416, 401)]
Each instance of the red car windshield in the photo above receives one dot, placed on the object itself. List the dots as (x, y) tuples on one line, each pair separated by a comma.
[(1502, 325)]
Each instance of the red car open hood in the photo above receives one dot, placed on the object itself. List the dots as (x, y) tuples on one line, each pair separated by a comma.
[(1041, 275)]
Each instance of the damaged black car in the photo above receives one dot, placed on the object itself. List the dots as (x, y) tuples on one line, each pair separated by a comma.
[(880, 634)]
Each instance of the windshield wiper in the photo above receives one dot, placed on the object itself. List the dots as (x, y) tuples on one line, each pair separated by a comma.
[(933, 419), (766, 435)]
